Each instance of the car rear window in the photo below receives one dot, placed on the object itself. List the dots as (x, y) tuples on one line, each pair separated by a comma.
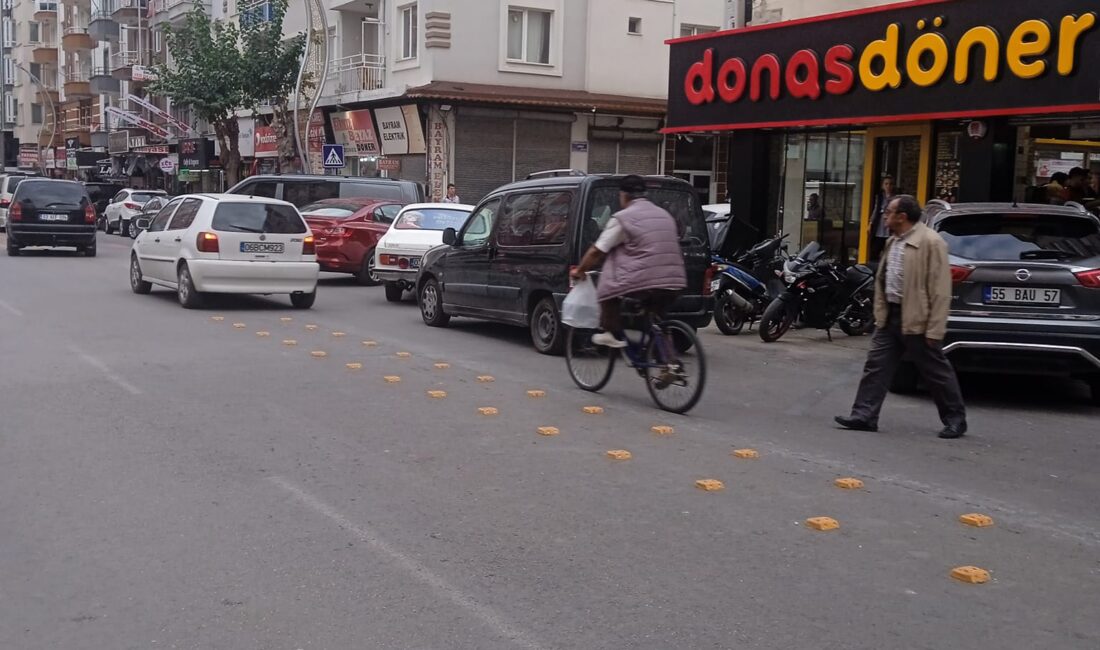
[(1020, 236), (682, 204), (385, 191), (231, 216), (331, 210), (142, 197), (13, 182), (45, 194), (431, 219)]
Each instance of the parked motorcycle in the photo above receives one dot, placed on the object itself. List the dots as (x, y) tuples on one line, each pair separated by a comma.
[(823, 294), (746, 285)]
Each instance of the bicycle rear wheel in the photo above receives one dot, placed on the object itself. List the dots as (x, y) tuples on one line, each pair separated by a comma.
[(590, 365), (675, 380)]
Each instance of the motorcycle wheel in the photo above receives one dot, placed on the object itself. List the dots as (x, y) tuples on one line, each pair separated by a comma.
[(775, 322), (860, 321), (729, 319)]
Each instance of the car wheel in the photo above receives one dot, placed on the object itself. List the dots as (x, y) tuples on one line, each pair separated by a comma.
[(366, 275), (431, 304), (137, 285), (133, 230), (13, 250), (123, 227), (546, 329), (107, 226), (394, 291), (185, 289), (905, 379), (303, 300)]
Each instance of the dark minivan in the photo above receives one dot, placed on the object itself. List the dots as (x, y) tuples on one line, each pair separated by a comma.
[(46, 212), (510, 262), (303, 189)]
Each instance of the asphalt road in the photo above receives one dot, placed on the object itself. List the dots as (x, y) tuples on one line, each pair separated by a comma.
[(172, 481)]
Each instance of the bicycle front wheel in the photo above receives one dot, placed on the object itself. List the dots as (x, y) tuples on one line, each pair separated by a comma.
[(590, 365), (675, 380)]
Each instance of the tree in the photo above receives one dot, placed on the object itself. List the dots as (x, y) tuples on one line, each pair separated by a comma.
[(218, 68)]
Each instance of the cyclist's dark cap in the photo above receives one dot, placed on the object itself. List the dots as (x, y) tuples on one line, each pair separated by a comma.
[(632, 184)]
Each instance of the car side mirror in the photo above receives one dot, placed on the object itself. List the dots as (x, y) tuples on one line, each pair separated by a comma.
[(450, 237), (142, 223)]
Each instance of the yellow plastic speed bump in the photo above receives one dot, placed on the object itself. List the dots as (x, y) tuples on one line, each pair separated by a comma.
[(593, 410), (442, 366), (485, 379), (848, 483), (548, 431), (289, 342), (619, 454), (488, 410), (392, 379), (709, 485), (404, 355), (239, 326), (286, 319), (338, 334), (746, 453), (262, 334), (217, 319), (535, 394), (822, 523), (976, 519), (370, 344), (437, 394), (662, 429), (320, 354), (970, 574), (311, 327), (354, 366)]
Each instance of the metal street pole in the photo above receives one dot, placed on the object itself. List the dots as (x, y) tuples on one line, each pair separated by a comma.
[(3, 111), (53, 112)]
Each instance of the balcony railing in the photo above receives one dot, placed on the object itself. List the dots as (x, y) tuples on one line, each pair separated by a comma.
[(123, 59), (76, 76), (101, 71), (78, 29), (355, 73), (43, 43)]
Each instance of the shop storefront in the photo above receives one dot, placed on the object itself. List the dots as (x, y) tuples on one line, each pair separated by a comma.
[(961, 100), (383, 141)]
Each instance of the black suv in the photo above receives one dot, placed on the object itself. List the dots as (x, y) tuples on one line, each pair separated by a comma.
[(1026, 293), (47, 212), (510, 262), (302, 190)]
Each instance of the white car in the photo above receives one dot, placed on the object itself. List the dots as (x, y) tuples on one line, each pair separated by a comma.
[(416, 229), (226, 243), (124, 208), (7, 190)]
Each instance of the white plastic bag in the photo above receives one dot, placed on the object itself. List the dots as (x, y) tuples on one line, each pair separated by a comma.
[(581, 309)]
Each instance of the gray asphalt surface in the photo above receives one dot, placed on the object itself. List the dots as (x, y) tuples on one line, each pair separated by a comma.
[(171, 481)]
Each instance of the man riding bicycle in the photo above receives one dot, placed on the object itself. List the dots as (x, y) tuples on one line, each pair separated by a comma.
[(640, 251)]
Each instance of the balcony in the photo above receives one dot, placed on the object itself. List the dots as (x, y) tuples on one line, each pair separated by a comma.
[(122, 64), (44, 52), (77, 85), (173, 11), (102, 82), (127, 12), (356, 73), (102, 26), (77, 37), (45, 10)]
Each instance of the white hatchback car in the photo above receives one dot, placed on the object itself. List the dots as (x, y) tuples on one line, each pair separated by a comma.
[(124, 208), (226, 243), (416, 229)]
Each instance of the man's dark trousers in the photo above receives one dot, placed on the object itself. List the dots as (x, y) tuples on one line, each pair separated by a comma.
[(888, 345)]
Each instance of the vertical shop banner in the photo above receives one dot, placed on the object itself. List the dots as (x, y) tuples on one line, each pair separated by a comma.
[(28, 156), (400, 130), (355, 130), (438, 155), (316, 141), (267, 143), (246, 136)]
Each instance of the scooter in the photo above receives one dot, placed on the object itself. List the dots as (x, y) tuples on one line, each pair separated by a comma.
[(746, 285)]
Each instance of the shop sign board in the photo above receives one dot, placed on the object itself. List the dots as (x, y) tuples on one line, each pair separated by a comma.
[(355, 130), (154, 149), (196, 153), (399, 130), (167, 164), (923, 59), (438, 156), (28, 156), (267, 143)]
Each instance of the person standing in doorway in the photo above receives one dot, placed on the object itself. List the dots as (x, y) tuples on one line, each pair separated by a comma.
[(912, 298), (452, 194), (878, 230)]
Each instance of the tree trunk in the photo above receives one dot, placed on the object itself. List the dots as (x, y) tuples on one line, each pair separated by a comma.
[(228, 133), (288, 146)]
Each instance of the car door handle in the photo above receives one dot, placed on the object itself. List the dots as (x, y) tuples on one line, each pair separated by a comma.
[(157, 240), (178, 239)]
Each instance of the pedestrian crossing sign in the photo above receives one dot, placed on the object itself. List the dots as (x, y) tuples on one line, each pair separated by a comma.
[(333, 155)]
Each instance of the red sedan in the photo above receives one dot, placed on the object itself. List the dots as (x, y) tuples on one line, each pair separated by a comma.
[(346, 232)]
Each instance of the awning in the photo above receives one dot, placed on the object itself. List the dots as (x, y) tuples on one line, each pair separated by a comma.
[(537, 97)]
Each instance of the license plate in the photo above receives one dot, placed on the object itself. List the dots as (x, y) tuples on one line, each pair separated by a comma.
[(1023, 295), (53, 217), (260, 247), (715, 285), (414, 262)]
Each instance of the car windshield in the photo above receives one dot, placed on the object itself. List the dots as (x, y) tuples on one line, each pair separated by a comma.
[(1020, 236), (233, 216), (142, 197), (45, 194), (431, 219), (682, 204), (331, 210)]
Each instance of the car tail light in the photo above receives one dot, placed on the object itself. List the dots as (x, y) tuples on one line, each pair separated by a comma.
[(207, 242), (131, 206), (960, 273), (16, 212), (5, 203), (386, 260), (712, 270), (89, 213), (1090, 279), (308, 246), (403, 263)]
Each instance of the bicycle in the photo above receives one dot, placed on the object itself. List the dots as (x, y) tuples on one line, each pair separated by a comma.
[(663, 355)]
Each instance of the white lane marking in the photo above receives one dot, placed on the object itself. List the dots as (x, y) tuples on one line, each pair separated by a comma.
[(10, 309), (486, 614), (107, 372)]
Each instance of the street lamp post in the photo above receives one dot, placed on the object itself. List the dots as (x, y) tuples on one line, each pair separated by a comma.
[(53, 111)]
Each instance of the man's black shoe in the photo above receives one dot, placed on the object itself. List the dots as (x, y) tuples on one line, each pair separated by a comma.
[(952, 431), (854, 424)]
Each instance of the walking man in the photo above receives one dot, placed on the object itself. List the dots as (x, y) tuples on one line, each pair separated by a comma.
[(912, 297), (452, 194)]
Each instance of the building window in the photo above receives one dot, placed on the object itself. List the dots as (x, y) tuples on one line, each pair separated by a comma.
[(255, 13), (158, 41), (695, 30), (34, 32), (529, 36), (9, 33), (634, 25), (36, 113), (408, 32)]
